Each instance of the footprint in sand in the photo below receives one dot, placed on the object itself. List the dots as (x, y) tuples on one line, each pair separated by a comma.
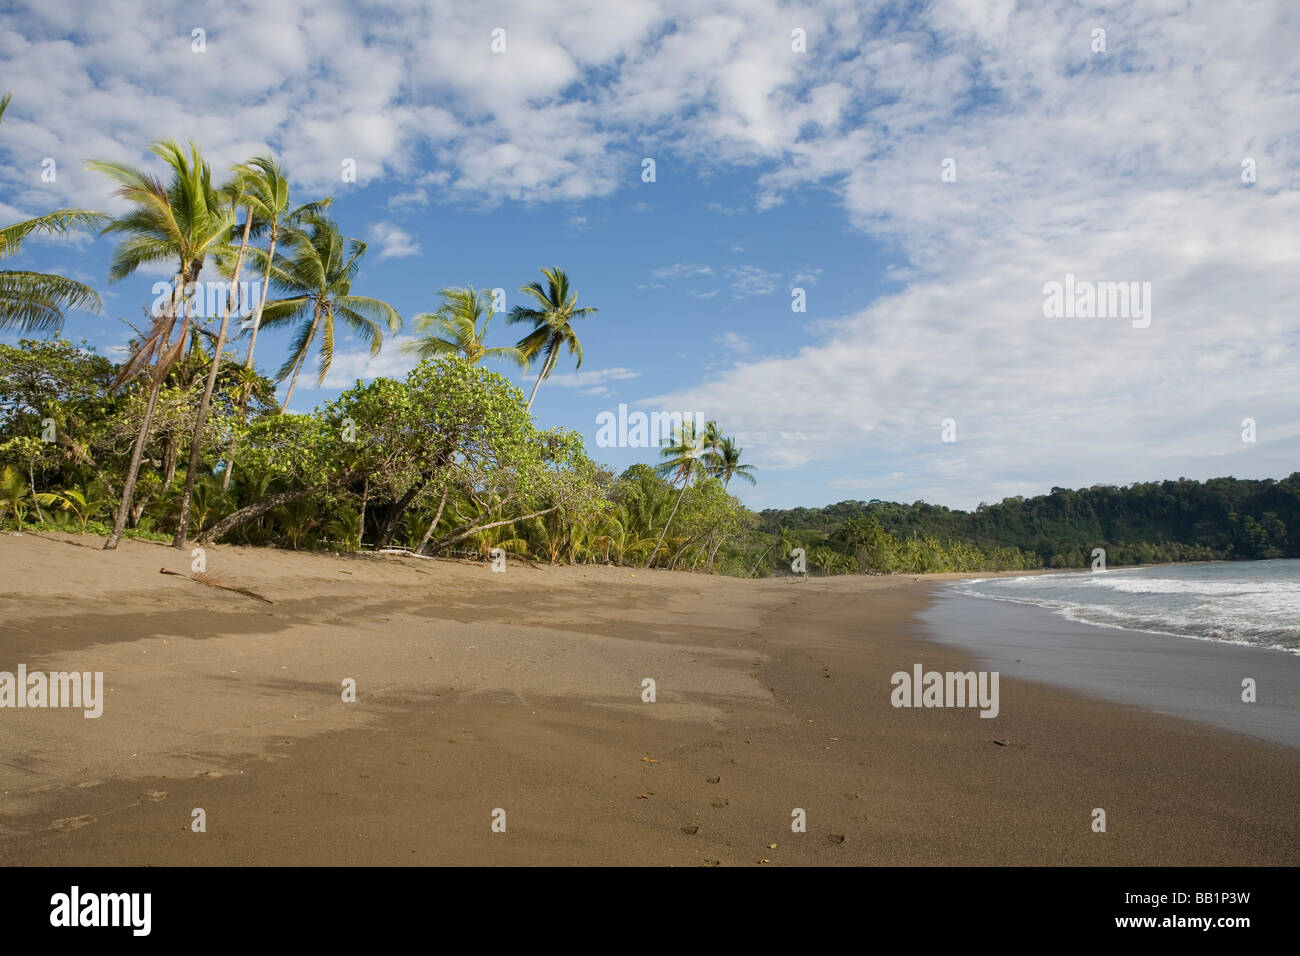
[(68, 824)]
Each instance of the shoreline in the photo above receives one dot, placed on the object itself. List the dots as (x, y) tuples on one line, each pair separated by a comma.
[(522, 691), (1194, 678)]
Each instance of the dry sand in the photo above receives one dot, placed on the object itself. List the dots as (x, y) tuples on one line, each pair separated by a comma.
[(522, 691)]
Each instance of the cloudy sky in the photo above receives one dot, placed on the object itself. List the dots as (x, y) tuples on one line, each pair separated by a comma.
[(920, 170)]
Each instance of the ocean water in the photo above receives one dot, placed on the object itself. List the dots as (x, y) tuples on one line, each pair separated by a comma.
[(1251, 603)]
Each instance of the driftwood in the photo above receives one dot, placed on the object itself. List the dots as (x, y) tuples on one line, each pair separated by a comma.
[(212, 580), (408, 553)]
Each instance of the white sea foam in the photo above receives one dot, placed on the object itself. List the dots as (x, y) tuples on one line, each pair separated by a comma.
[(1254, 603)]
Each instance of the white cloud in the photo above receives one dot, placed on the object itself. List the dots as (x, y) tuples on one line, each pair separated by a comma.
[(412, 199), (394, 243), (735, 342), (1116, 166), (726, 211), (348, 366), (1065, 163), (751, 280), (591, 378), (682, 270)]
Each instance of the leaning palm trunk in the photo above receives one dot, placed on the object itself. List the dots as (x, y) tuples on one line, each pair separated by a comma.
[(259, 508), (361, 521), (311, 337), (433, 524), (146, 423), (714, 550), (36, 499), (133, 469), (196, 444), (252, 345), (463, 533), (668, 523), (546, 370)]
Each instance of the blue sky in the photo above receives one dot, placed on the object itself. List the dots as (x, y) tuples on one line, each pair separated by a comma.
[(775, 169)]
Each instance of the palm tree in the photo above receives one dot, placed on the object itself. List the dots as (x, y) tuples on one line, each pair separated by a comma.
[(726, 464), (711, 439), (551, 328), (84, 503), (186, 220), (683, 462), (782, 541), (454, 330), (236, 194), (266, 194), (14, 494), (318, 277), (36, 301)]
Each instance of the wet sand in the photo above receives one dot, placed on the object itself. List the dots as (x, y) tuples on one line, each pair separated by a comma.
[(522, 692), (1197, 679)]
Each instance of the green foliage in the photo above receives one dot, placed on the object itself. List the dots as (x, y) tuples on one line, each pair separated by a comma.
[(316, 276), (1145, 523), (557, 307), (454, 329), (15, 495)]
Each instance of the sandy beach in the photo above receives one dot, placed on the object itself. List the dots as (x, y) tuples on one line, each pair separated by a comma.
[(522, 691)]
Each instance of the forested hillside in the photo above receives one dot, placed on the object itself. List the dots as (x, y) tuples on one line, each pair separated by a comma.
[(1143, 523)]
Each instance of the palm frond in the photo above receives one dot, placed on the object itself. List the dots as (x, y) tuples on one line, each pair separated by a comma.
[(59, 222), (36, 301), (297, 350)]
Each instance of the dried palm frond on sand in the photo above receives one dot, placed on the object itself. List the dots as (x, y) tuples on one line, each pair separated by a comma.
[(217, 581)]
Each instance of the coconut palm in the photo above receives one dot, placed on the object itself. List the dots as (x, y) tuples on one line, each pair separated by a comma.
[(711, 439), (551, 323), (36, 301), (726, 464), (84, 503), (345, 528), (684, 461), (14, 494), (685, 454), (454, 330), (266, 195), (237, 196), (784, 543), (318, 275), (185, 221), (296, 519)]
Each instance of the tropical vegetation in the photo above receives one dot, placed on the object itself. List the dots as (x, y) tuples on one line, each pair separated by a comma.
[(184, 440)]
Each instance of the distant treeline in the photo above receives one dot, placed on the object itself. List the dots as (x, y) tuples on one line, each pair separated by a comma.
[(1145, 523)]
